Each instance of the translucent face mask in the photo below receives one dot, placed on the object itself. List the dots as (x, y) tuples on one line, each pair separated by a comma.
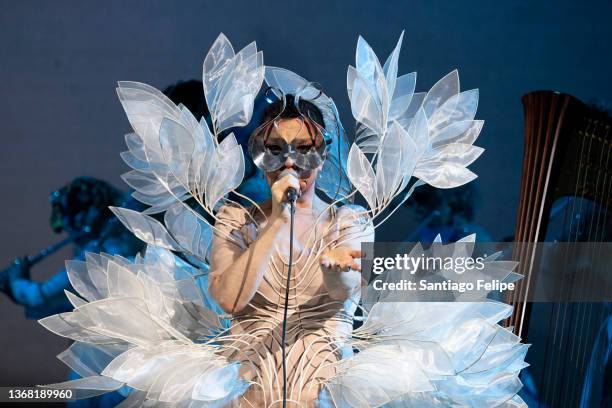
[(298, 138)]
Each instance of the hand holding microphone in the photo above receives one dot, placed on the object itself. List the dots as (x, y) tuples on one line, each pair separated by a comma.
[(285, 189)]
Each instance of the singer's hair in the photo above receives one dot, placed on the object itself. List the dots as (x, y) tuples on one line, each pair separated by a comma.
[(304, 108)]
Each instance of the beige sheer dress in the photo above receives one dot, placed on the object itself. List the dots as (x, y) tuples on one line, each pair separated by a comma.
[(317, 325)]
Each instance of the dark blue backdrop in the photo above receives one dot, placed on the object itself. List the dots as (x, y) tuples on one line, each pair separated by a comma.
[(60, 116)]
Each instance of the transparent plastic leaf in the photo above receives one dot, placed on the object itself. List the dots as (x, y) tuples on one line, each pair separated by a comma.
[(192, 233), (441, 92), (362, 175), (146, 228)]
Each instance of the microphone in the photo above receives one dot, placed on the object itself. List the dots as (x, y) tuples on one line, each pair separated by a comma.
[(292, 194)]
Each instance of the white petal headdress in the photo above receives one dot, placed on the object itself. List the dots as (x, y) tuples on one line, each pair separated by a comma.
[(401, 134), (403, 139)]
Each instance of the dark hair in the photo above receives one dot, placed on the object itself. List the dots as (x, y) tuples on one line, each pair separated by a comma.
[(289, 110), (191, 94), (305, 108), (81, 195)]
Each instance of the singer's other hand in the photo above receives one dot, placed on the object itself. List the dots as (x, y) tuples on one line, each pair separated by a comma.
[(341, 259), (280, 205)]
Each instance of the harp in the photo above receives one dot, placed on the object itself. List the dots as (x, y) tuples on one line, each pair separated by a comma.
[(564, 196)]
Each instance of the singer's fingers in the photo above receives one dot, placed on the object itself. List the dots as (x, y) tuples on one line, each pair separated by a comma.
[(356, 253), (294, 182), (284, 183), (349, 264), (325, 261)]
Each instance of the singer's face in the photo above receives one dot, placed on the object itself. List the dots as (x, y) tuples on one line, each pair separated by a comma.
[(295, 132)]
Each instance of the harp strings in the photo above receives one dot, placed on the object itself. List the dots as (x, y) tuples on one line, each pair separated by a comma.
[(554, 384), (593, 236), (602, 189), (575, 332), (588, 221)]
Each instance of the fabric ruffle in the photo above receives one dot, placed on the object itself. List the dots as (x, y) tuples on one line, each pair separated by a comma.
[(447, 354), (146, 325)]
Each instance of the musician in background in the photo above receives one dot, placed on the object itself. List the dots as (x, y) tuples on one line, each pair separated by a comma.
[(80, 209), (449, 213)]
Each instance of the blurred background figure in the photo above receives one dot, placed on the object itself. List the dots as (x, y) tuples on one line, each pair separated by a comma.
[(79, 209), (449, 213)]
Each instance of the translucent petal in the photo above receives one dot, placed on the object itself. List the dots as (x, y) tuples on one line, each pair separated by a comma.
[(81, 281), (460, 107), (96, 271), (144, 182), (74, 300), (441, 92), (132, 161), (136, 146), (419, 130), (365, 105), (216, 384), (87, 359), (122, 282), (362, 175), (177, 147), (415, 104), (388, 164), (464, 132), (240, 82), (192, 233), (123, 318), (410, 154), (227, 173), (283, 80), (332, 179), (157, 204), (390, 67), (368, 66), (145, 107), (402, 96), (146, 228), (457, 153), (235, 102), (444, 175), (215, 63), (67, 325)]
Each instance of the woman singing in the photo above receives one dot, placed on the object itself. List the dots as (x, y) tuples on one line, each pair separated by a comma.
[(249, 270), (288, 282)]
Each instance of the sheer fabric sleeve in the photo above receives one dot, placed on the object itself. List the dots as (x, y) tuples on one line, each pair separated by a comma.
[(234, 232), (352, 226)]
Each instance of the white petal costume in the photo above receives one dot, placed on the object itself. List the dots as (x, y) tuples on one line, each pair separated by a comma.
[(150, 329)]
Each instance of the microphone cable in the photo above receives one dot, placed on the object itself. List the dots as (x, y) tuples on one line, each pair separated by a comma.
[(291, 194)]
